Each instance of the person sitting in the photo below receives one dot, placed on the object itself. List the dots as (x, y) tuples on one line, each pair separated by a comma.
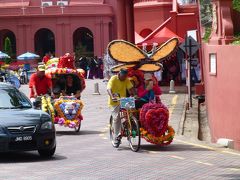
[(148, 91), (71, 87), (39, 83), (117, 87)]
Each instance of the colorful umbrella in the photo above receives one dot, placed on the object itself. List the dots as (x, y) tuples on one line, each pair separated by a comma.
[(3, 55), (28, 56)]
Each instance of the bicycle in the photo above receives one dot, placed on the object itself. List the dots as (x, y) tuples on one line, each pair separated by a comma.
[(130, 127)]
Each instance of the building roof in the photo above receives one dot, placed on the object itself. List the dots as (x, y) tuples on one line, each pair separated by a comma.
[(17, 8), (77, 2), (161, 36), (138, 38), (14, 3), (20, 3)]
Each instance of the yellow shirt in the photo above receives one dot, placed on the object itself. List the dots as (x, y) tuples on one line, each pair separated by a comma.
[(119, 87)]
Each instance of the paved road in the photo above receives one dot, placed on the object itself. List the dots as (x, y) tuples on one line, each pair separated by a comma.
[(89, 154)]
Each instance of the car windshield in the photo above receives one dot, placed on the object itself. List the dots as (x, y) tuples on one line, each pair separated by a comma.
[(13, 99)]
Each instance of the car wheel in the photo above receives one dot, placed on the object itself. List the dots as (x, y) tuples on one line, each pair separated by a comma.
[(47, 152)]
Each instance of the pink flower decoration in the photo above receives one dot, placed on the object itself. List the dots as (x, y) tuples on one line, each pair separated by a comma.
[(61, 121), (56, 119), (72, 124)]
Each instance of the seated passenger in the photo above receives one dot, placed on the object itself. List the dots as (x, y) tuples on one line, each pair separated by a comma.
[(72, 87), (148, 92)]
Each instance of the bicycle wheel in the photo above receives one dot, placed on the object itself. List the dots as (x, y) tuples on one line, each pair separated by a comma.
[(111, 133), (134, 136)]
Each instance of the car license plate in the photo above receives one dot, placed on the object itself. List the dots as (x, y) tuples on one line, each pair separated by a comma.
[(23, 138)]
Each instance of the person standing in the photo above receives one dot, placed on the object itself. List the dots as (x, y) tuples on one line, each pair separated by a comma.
[(46, 58), (93, 68), (100, 68), (83, 64)]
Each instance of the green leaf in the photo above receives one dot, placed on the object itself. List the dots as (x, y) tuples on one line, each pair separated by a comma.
[(236, 5)]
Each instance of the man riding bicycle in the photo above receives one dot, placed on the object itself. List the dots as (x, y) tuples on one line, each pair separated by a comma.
[(39, 83), (117, 87)]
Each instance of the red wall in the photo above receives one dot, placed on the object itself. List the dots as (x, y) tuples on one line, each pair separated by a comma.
[(223, 92), (150, 17)]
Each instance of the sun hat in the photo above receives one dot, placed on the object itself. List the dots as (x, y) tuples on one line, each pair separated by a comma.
[(41, 67), (147, 76), (123, 71)]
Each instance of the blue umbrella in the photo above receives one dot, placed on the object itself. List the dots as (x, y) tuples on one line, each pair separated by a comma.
[(28, 56), (3, 55)]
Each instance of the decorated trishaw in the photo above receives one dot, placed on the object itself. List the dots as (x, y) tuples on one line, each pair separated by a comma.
[(153, 116), (64, 109)]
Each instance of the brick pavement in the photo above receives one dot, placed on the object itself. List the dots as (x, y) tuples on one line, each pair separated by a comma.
[(89, 154)]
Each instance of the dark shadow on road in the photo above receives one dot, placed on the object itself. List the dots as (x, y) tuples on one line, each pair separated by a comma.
[(173, 147), (27, 157), (124, 148), (73, 133), (230, 176)]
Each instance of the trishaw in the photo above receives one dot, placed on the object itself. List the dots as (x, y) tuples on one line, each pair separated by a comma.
[(153, 117), (65, 110)]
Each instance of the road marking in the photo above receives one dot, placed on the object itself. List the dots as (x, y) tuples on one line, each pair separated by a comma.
[(204, 163), (101, 135), (232, 153), (208, 147), (233, 169), (178, 157), (196, 145), (173, 104), (152, 152)]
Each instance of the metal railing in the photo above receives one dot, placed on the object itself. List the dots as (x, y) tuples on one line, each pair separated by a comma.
[(186, 2)]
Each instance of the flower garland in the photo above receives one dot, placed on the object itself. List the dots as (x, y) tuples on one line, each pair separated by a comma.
[(52, 63), (163, 140), (64, 119), (79, 72), (154, 124), (52, 71), (48, 107)]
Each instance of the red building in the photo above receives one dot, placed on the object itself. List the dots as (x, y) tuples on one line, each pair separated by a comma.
[(221, 74), (159, 20), (61, 26)]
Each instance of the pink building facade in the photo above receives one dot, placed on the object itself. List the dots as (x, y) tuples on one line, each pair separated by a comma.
[(221, 74), (61, 26), (33, 25)]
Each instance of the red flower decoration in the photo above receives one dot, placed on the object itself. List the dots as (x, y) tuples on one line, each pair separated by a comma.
[(154, 118), (66, 61)]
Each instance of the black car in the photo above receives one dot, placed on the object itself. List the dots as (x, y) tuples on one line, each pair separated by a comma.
[(23, 128)]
